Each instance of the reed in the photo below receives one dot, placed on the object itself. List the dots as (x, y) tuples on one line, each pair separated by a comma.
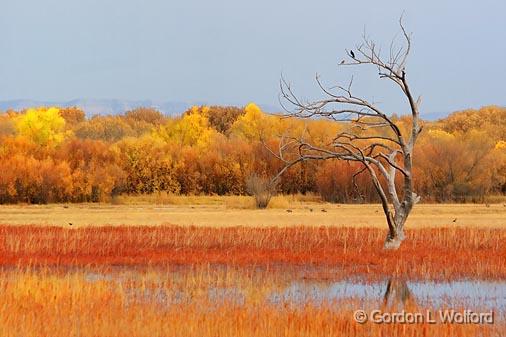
[(429, 253), (46, 302)]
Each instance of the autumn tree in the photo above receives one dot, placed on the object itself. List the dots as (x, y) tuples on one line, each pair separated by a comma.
[(220, 150), (254, 125), (443, 173), (371, 137), (143, 120), (192, 129), (107, 128), (72, 116), (222, 118), (335, 183), (7, 127), (448, 175), (147, 115), (491, 119), (44, 126), (149, 165), (95, 169)]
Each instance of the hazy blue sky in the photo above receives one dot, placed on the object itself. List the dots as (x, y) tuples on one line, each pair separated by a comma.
[(232, 51)]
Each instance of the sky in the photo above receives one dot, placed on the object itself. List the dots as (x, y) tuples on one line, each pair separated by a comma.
[(234, 52)]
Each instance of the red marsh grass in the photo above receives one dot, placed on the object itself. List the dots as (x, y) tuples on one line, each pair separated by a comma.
[(444, 253), (57, 281)]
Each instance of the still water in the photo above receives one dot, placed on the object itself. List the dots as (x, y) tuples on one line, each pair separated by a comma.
[(292, 288)]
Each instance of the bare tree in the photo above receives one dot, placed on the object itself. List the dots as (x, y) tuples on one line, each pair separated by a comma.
[(372, 138)]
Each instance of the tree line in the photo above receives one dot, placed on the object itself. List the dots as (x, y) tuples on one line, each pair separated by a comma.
[(58, 155)]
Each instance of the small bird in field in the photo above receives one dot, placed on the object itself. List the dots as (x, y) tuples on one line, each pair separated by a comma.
[(487, 205), (65, 206), (376, 211), (454, 220), (324, 210), (289, 210), (70, 223), (310, 209)]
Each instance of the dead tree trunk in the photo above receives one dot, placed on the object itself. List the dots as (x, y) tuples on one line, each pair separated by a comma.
[(373, 138), (397, 294)]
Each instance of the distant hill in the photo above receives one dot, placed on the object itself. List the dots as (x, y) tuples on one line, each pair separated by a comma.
[(99, 106), (118, 106), (112, 106)]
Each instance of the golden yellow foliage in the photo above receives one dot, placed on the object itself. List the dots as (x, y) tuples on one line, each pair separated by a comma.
[(441, 135), (212, 150), (501, 145), (255, 125), (193, 129), (44, 126)]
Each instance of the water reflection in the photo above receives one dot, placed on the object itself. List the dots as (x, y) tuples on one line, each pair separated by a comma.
[(397, 294), (468, 294), (167, 288)]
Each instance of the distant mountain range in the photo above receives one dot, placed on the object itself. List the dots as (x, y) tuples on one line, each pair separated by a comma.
[(111, 106), (100, 106), (118, 106)]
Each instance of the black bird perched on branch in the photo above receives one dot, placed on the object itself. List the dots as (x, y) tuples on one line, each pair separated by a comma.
[(352, 54)]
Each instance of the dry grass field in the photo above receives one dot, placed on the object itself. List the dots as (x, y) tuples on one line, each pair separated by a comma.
[(230, 211)]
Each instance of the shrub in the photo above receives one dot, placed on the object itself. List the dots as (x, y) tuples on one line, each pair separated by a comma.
[(261, 189)]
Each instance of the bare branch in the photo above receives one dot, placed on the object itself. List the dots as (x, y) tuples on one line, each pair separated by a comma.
[(372, 138)]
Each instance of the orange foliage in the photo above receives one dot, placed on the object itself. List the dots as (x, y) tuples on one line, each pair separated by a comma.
[(72, 116), (213, 150), (334, 181)]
